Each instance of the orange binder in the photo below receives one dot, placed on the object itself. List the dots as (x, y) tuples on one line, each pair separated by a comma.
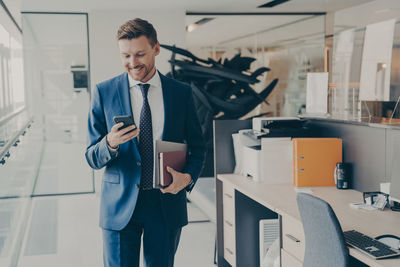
[(314, 161)]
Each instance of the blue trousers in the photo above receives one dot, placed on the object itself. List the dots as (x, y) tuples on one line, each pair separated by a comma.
[(122, 248)]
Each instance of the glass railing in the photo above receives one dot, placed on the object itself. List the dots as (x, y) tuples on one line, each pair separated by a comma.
[(20, 158), (21, 145), (11, 128), (33, 166)]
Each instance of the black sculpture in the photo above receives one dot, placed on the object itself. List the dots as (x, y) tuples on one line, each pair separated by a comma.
[(221, 90)]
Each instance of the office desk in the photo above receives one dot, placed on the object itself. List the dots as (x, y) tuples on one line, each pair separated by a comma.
[(281, 200)]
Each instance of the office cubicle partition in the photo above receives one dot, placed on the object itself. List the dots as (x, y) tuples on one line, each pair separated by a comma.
[(224, 162), (368, 148)]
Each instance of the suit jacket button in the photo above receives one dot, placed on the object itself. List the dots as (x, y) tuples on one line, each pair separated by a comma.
[(136, 185), (138, 163)]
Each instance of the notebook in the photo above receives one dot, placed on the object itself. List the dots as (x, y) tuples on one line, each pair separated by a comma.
[(161, 147), (173, 159)]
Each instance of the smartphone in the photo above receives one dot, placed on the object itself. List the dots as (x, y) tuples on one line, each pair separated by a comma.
[(126, 119)]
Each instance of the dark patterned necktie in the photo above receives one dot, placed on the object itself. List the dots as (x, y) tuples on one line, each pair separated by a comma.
[(146, 141)]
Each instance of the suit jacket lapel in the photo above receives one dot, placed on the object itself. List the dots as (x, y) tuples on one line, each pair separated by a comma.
[(168, 105), (125, 98)]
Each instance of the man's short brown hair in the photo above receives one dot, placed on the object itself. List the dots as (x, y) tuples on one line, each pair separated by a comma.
[(135, 28)]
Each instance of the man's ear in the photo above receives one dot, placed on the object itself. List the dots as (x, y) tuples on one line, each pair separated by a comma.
[(157, 48)]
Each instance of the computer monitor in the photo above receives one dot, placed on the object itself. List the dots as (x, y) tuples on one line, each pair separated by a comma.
[(395, 174)]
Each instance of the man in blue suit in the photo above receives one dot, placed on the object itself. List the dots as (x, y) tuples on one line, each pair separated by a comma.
[(163, 109)]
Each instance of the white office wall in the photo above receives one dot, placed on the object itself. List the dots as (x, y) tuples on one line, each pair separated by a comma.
[(362, 15), (103, 25)]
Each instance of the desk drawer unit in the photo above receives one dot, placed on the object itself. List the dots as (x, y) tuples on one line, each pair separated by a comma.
[(229, 244), (293, 240), (229, 204), (229, 223)]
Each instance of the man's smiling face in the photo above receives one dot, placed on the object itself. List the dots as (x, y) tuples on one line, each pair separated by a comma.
[(138, 57)]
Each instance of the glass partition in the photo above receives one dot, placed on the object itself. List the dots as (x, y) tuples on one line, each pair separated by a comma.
[(365, 74), (12, 94), (364, 83), (290, 45), (57, 65)]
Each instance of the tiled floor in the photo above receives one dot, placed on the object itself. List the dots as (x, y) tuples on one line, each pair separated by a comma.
[(64, 169), (69, 235), (196, 248)]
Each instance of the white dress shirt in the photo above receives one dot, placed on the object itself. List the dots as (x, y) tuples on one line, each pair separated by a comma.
[(156, 102)]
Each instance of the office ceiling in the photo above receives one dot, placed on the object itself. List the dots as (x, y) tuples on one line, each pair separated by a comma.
[(252, 31), (189, 5), (227, 30)]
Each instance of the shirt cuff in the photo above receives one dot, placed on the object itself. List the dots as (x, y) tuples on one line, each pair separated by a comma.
[(113, 151), (190, 186)]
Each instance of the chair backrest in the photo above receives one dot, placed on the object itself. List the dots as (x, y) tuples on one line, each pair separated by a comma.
[(325, 244)]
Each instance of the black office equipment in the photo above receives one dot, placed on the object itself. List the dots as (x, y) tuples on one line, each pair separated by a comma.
[(395, 177), (342, 175), (376, 199), (395, 207), (369, 245), (80, 77), (278, 123), (390, 240)]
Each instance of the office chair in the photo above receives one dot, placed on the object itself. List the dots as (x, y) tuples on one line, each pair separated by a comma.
[(325, 243)]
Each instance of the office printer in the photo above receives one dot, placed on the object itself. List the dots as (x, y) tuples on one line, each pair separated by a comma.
[(280, 127), (251, 145)]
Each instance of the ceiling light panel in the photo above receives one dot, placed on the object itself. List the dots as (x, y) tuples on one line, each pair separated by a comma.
[(273, 3)]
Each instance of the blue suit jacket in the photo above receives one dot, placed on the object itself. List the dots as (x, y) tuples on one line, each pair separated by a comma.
[(122, 171)]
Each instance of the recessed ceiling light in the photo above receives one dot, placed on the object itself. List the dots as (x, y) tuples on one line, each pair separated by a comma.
[(191, 27), (273, 3), (203, 20)]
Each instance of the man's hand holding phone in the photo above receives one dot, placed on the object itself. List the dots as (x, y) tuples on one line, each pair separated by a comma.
[(121, 133)]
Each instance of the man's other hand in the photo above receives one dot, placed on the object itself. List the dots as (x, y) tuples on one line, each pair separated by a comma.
[(116, 137), (179, 181)]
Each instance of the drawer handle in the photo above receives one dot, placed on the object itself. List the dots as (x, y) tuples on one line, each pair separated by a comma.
[(230, 251), (226, 194), (293, 238), (228, 223)]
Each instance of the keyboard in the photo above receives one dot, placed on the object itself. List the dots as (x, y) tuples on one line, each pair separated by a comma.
[(369, 246)]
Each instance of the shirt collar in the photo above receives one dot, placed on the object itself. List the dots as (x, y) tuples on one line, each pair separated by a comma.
[(154, 81)]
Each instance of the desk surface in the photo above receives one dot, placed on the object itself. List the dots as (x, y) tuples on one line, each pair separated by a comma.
[(282, 200)]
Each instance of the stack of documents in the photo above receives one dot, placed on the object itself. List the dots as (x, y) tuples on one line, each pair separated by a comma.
[(168, 154)]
